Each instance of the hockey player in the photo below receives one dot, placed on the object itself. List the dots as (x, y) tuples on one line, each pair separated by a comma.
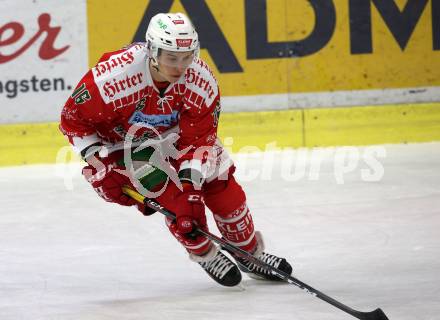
[(163, 89)]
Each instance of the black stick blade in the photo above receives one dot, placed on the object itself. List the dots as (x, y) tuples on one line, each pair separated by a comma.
[(380, 315), (377, 314)]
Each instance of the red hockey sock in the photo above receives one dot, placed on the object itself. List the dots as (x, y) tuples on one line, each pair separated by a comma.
[(227, 200)]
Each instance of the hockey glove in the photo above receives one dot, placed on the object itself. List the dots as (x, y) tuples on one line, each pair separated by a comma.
[(102, 175), (192, 210)]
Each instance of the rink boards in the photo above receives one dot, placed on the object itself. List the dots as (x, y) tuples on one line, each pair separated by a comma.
[(258, 131), (302, 75)]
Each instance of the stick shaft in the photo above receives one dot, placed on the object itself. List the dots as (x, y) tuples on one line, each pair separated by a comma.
[(374, 315)]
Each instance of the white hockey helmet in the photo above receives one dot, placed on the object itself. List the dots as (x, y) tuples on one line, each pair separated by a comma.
[(172, 32)]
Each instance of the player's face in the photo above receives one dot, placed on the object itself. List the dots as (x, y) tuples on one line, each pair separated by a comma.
[(172, 65)]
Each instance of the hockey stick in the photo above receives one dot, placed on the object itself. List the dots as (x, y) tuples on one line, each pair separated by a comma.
[(377, 314)]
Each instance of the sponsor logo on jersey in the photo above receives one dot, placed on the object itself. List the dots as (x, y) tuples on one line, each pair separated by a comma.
[(183, 42), (178, 22), (154, 120), (193, 76), (81, 94), (115, 86), (120, 60)]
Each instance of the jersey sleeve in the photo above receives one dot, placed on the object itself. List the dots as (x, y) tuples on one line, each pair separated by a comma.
[(198, 133), (81, 115)]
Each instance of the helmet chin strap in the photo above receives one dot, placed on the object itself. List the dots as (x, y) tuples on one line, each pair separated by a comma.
[(155, 66), (153, 63)]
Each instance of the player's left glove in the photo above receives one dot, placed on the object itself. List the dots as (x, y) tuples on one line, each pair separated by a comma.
[(104, 174)]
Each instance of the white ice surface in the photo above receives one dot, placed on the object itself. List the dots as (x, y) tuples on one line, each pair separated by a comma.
[(65, 254)]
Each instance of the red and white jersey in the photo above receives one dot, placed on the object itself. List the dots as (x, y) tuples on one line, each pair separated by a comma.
[(119, 92)]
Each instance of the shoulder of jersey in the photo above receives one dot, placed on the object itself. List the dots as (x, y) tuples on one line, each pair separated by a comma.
[(121, 72), (113, 63), (199, 78)]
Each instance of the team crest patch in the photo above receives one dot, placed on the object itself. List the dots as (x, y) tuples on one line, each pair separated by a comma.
[(81, 94)]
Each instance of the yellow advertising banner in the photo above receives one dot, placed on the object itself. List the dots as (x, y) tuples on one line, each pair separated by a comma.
[(260, 47), (306, 56)]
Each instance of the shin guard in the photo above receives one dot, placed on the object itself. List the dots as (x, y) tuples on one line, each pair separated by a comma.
[(238, 228), (227, 200)]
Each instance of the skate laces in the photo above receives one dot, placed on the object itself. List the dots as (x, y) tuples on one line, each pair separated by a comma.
[(218, 266), (270, 259)]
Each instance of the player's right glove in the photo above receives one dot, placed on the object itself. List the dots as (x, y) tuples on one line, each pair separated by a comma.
[(192, 211), (102, 175)]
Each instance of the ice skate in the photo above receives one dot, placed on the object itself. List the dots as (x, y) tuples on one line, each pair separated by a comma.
[(219, 267), (257, 272)]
